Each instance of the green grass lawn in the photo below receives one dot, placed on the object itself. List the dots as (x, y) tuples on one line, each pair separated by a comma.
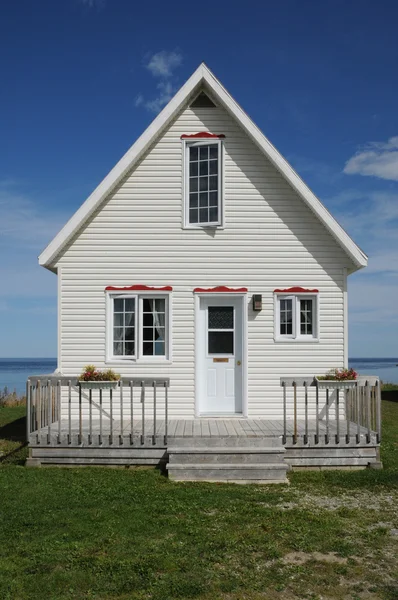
[(130, 533)]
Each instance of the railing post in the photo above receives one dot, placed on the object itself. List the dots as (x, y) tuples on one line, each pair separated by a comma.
[(121, 413), (378, 411), (337, 438), (284, 412), (142, 412), (154, 414), (59, 399), (327, 417), (80, 416), (69, 412), (90, 416), (368, 414), (306, 412), (49, 406), (294, 412), (166, 411), (348, 411), (111, 417), (317, 412), (28, 411), (131, 413), (358, 393), (100, 403)]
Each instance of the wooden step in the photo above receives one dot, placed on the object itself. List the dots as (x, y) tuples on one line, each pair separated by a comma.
[(249, 473)]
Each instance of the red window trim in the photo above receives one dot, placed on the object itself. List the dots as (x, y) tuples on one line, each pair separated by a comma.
[(139, 288), (203, 135), (296, 290), (220, 289)]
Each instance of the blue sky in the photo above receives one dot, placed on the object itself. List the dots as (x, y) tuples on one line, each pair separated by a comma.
[(81, 79)]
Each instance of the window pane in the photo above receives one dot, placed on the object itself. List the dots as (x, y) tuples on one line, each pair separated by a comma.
[(213, 215), (118, 319), (204, 168), (118, 333), (193, 200), (306, 317), (129, 305), (159, 348), (118, 305), (193, 153), (213, 167), (204, 184), (213, 198), (160, 305), (193, 215), (129, 348), (129, 319), (118, 348), (213, 185), (213, 151), (159, 333), (203, 199), (203, 215), (221, 342), (221, 317), (129, 334), (147, 334), (147, 348), (203, 152), (193, 169), (193, 184), (147, 319)]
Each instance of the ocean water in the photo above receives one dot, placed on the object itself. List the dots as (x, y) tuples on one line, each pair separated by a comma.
[(385, 368), (15, 371)]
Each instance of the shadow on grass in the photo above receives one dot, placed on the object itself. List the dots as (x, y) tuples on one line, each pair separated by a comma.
[(390, 395)]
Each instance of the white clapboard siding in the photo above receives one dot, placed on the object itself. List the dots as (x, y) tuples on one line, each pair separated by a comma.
[(270, 240)]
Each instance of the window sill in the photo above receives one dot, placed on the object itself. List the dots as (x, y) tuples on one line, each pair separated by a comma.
[(199, 227), (296, 340), (138, 361)]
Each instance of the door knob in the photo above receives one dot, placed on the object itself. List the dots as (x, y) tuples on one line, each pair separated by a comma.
[(238, 363)]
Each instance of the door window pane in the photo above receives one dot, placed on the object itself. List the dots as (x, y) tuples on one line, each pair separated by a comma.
[(221, 317), (221, 342)]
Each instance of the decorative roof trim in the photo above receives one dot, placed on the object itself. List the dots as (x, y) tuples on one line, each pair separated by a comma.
[(139, 288), (201, 78), (296, 290), (223, 289), (202, 135)]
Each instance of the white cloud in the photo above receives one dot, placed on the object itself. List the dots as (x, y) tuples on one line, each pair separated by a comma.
[(163, 63), (161, 66), (166, 91), (376, 159)]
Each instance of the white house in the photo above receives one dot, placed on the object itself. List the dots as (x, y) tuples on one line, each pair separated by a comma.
[(203, 258)]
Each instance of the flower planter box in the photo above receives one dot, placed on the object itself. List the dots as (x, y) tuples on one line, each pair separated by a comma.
[(336, 384), (98, 385)]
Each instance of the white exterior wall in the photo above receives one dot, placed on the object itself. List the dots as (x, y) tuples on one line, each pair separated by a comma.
[(270, 240)]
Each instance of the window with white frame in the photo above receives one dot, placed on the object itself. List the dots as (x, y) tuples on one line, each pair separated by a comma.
[(296, 317), (203, 169), (139, 327)]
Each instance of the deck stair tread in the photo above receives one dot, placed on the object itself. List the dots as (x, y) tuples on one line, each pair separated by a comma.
[(227, 450), (265, 466)]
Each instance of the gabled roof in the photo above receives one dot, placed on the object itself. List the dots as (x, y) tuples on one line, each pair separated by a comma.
[(201, 78)]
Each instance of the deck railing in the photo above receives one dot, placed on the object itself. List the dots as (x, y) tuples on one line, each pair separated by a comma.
[(331, 415), (66, 412)]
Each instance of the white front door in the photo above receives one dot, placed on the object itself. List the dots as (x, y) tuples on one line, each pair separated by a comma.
[(219, 355)]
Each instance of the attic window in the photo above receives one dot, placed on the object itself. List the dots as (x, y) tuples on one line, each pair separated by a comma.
[(202, 101)]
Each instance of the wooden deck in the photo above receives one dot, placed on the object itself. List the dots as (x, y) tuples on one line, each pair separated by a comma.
[(100, 433)]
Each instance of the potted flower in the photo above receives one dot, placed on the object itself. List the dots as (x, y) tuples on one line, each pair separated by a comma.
[(337, 378), (92, 378)]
